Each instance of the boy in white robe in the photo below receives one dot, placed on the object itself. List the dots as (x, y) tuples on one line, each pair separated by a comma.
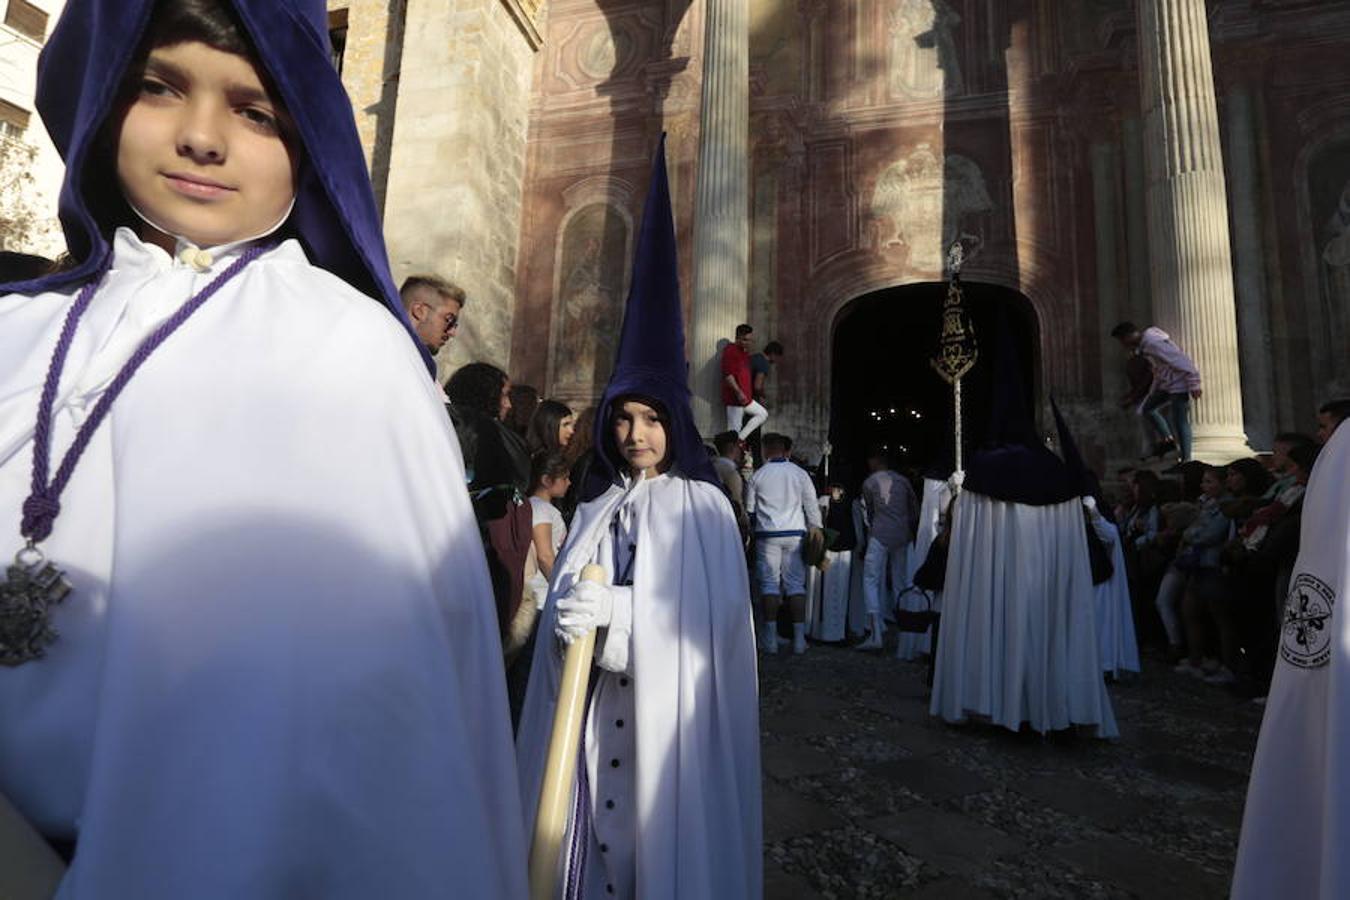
[(278, 673), (1296, 825), (666, 802)]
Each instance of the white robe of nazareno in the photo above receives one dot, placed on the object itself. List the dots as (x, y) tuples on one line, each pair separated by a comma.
[(1296, 826), (686, 689), (279, 674), (936, 496), (1018, 638), (1115, 616)]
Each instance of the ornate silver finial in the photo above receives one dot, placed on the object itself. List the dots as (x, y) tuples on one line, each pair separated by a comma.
[(956, 255)]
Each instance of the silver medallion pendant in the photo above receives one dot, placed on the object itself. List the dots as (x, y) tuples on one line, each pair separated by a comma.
[(31, 587)]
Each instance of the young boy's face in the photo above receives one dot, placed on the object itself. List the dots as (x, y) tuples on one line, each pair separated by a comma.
[(201, 150)]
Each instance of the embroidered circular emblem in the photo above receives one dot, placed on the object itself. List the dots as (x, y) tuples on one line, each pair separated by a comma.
[(1305, 638)]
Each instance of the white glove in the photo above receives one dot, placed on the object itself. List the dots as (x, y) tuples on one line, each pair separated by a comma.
[(1090, 504), (957, 479), (586, 607)]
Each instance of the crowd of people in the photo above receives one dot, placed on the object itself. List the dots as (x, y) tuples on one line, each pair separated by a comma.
[(1209, 555)]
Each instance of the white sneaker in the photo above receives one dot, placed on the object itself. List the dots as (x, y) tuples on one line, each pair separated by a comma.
[(799, 638)]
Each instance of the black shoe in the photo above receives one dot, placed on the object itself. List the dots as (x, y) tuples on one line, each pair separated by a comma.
[(1164, 447)]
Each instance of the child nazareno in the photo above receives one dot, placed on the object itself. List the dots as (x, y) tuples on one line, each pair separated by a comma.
[(666, 801), (277, 673)]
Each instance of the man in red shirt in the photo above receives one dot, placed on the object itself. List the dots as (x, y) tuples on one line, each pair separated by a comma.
[(737, 395)]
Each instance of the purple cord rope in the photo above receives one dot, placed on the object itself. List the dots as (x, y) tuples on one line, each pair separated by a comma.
[(43, 504)]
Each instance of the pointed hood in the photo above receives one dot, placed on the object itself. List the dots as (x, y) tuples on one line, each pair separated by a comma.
[(82, 68), (650, 361), (1013, 465), (1088, 483)]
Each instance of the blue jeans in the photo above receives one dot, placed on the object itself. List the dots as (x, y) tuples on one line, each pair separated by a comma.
[(1176, 424)]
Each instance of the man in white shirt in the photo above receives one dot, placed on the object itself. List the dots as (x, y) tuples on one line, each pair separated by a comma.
[(781, 501), (892, 512)]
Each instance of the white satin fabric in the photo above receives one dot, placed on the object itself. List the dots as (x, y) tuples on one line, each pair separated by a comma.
[(936, 496), (1115, 617), (279, 674), (1296, 826), (695, 701), (1018, 641)]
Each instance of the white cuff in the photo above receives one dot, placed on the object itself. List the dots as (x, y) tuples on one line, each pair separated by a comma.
[(613, 642)]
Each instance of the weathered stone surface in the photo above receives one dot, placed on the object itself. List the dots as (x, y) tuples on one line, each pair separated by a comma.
[(779, 885), (1080, 797), (789, 759), (949, 889), (945, 840), (1145, 872), (787, 814), (933, 779), (1182, 768)]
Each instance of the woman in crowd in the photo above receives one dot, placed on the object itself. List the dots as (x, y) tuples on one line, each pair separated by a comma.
[(551, 428), (498, 470), (524, 404)]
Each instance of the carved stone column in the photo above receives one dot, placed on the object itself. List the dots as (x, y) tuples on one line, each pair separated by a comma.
[(721, 204), (1192, 264)]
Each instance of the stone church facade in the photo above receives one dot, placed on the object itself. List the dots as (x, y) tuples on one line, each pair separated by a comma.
[(510, 145)]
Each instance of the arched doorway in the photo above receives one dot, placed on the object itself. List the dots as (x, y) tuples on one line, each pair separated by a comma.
[(884, 390)]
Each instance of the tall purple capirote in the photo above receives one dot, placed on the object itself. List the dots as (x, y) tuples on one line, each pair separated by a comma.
[(85, 63), (44, 500), (650, 361)]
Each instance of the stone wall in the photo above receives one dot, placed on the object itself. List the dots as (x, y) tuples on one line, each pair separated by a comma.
[(453, 199), (370, 71)]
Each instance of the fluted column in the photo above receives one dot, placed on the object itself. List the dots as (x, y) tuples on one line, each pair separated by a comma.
[(1192, 264), (722, 203)]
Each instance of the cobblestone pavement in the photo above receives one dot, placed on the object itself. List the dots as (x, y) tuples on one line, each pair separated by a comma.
[(867, 796)]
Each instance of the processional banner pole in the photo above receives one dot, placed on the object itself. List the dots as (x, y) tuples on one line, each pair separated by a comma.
[(957, 350)]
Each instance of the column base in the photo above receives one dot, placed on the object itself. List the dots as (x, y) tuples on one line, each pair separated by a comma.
[(1220, 447)]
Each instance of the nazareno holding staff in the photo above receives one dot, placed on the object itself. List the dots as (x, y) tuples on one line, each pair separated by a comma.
[(665, 797)]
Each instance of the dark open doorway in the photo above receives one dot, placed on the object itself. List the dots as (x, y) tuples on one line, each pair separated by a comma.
[(885, 391)]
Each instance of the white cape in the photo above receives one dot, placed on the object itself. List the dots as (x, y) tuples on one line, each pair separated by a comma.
[(1018, 642), (694, 673), (1296, 828), (1115, 616), (279, 674)]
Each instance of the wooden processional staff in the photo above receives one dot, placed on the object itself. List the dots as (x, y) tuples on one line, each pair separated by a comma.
[(957, 350), (550, 822)]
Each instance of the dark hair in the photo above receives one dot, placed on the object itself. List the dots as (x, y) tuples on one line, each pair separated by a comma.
[(1123, 329), (1293, 438), (742, 330), (543, 433), (524, 402), (1304, 455), (775, 442), (1255, 478), (773, 348), (1146, 483), (547, 463), (611, 448), (1340, 408), (583, 438), (726, 440), (876, 451), (477, 386), (209, 22)]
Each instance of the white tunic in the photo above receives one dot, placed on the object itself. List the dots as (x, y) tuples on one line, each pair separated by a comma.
[(1018, 642), (1296, 826), (1115, 616), (279, 674), (677, 667)]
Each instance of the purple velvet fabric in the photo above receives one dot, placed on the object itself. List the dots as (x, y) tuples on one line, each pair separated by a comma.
[(651, 361), (335, 218)]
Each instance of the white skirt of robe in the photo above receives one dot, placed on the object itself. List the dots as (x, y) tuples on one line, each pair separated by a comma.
[(832, 594), (1115, 618), (1016, 643)]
